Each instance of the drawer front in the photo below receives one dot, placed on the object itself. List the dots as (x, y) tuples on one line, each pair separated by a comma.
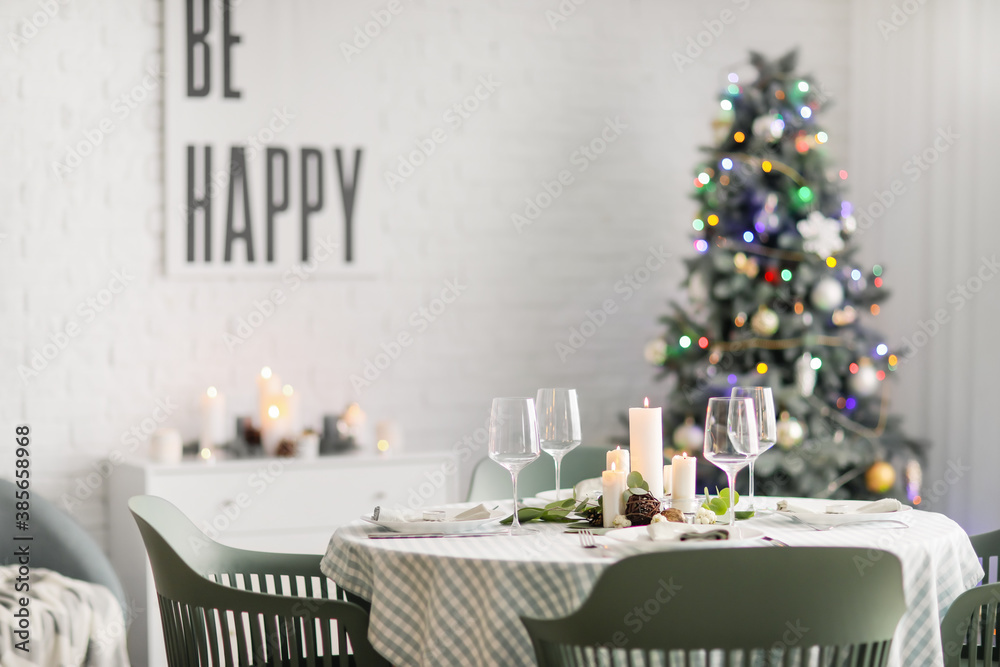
[(283, 497)]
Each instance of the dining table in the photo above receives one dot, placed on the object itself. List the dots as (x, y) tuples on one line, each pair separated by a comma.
[(457, 600)]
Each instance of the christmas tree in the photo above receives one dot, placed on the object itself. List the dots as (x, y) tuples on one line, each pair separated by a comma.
[(776, 297)]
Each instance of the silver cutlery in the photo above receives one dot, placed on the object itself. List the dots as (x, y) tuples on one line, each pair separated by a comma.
[(777, 543), (405, 536)]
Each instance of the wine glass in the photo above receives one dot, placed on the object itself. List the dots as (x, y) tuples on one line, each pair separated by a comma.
[(558, 424), (767, 426), (514, 442), (730, 438)]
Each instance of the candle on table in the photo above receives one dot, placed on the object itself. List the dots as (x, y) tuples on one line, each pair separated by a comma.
[(645, 436), (618, 460), (213, 419), (614, 486), (683, 471), (668, 480)]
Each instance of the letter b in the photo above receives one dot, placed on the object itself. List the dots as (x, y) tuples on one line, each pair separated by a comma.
[(597, 317)]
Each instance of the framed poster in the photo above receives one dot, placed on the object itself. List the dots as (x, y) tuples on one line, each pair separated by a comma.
[(269, 137)]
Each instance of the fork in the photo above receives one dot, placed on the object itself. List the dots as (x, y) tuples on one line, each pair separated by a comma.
[(587, 540)]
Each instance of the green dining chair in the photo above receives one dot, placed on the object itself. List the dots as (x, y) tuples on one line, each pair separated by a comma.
[(745, 606), (970, 624), (492, 482), (987, 546), (969, 628), (225, 606)]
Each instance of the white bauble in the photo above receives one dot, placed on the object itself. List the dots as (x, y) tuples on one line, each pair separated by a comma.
[(805, 375), (689, 437), (827, 294), (765, 322), (865, 381), (656, 351), (790, 432)]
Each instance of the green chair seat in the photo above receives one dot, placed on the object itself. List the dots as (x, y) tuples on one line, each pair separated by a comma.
[(225, 606), (748, 606)]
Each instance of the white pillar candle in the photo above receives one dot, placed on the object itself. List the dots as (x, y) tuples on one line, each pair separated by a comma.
[(614, 486), (683, 469), (213, 419), (166, 446), (388, 437), (645, 435), (618, 460), (268, 386), (668, 480)]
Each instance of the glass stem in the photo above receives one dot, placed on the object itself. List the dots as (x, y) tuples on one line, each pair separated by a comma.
[(732, 507), (558, 460), (750, 502), (515, 525)]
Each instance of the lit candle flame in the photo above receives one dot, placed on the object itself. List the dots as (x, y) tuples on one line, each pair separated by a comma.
[(265, 372), (287, 390), (645, 402), (612, 466), (273, 412), (383, 445), (206, 453), (212, 392)]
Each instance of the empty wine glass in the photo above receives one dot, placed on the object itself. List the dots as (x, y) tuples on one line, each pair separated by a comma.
[(514, 442), (767, 425), (558, 424), (730, 438)]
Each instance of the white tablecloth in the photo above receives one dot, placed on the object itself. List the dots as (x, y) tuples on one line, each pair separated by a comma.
[(457, 601)]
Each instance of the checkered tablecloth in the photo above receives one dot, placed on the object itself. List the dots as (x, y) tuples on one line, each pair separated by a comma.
[(457, 601)]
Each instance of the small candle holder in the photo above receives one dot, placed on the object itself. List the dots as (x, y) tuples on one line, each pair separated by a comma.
[(687, 506)]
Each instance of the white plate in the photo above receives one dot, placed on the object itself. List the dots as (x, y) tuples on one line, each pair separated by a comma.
[(819, 517), (640, 534), (438, 527)]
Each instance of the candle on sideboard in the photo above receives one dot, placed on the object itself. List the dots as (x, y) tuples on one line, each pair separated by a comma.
[(645, 436), (683, 470), (213, 419), (668, 480), (268, 385), (618, 460), (613, 484)]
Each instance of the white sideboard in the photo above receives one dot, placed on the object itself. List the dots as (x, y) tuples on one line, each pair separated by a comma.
[(283, 505)]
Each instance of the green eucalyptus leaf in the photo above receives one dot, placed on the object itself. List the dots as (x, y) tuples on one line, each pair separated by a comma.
[(634, 479), (638, 491)]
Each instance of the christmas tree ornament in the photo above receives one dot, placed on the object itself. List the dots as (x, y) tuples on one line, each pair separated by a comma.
[(805, 375), (880, 477), (689, 437), (656, 351), (765, 322), (827, 294), (865, 381), (844, 317), (790, 431), (849, 224), (914, 480), (820, 234)]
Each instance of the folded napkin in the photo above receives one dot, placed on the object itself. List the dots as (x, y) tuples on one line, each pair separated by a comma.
[(671, 530), (876, 507), (472, 514), (382, 515)]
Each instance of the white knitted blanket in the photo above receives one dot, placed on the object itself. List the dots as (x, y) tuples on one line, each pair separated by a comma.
[(72, 623)]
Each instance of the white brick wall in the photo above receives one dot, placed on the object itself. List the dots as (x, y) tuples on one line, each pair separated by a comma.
[(162, 337)]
